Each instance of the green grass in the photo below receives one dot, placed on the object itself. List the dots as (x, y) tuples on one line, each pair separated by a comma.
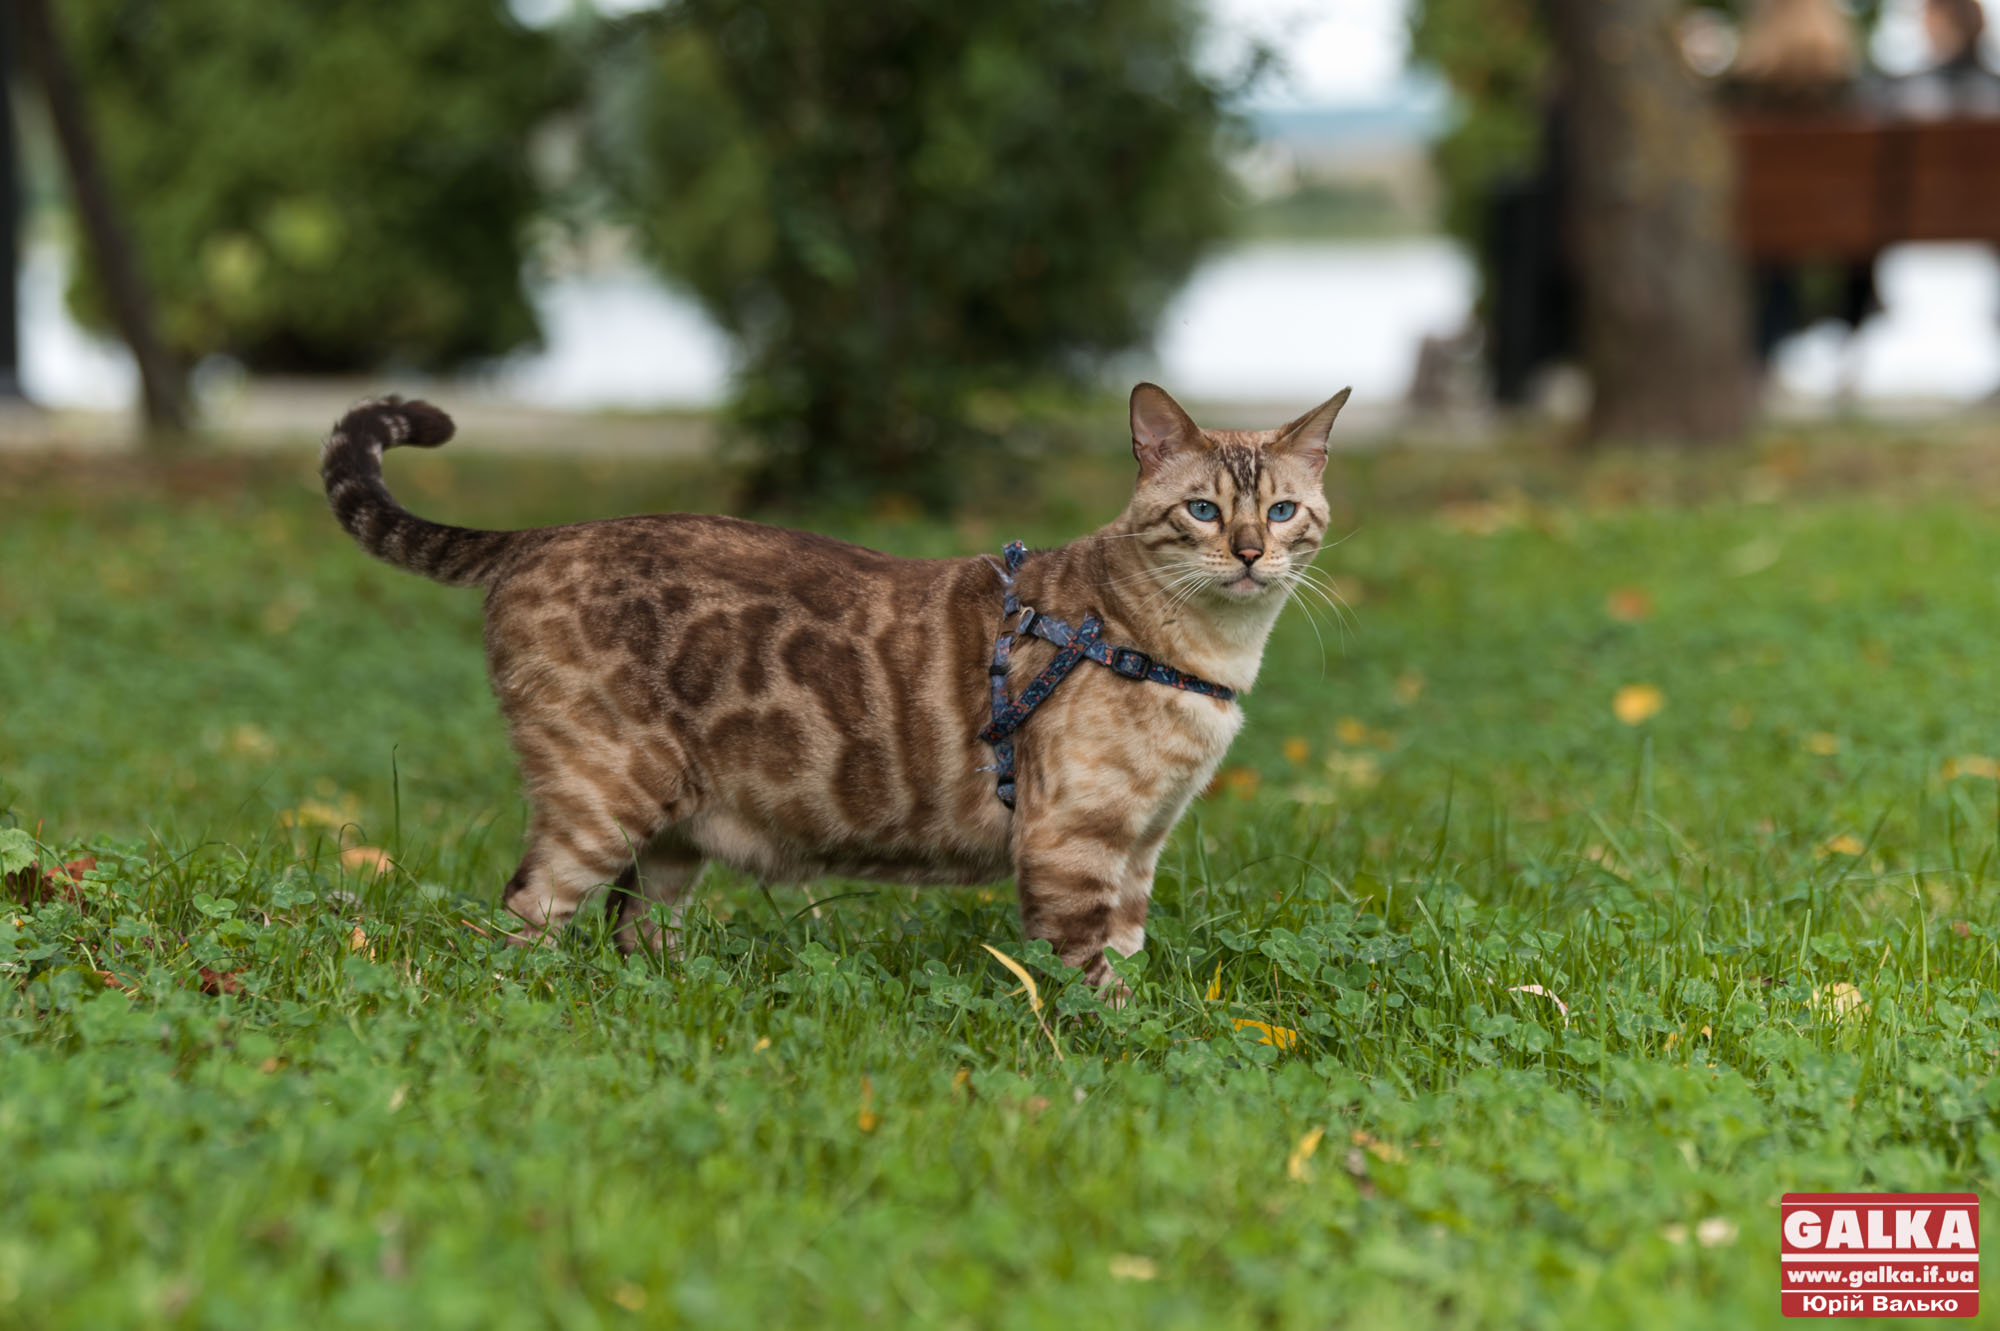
[(846, 1114)]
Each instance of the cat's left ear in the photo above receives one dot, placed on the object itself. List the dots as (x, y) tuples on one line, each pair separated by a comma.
[(1307, 435)]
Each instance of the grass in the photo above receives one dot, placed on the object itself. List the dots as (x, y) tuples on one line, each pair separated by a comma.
[(308, 1095)]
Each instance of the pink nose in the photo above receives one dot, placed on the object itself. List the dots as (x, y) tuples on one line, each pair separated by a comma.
[(1249, 554)]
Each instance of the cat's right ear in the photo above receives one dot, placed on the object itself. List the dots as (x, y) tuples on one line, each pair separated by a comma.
[(1160, 429)]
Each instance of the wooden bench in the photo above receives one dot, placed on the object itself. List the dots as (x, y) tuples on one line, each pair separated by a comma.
[(1846, 186)]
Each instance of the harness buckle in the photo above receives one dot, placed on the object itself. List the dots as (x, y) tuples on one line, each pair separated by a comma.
[(1027, 625), (1130, 662)]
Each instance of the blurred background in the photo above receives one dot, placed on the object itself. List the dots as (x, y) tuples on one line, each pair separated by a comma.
[(854, 245)]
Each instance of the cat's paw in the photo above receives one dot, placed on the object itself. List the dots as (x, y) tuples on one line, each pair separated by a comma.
[(648, 929), (1111, 991)]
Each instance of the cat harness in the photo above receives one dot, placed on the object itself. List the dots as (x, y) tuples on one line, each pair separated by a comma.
[(1072, 645)]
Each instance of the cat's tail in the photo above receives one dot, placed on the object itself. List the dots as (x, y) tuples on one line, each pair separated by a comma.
[(351, 466)]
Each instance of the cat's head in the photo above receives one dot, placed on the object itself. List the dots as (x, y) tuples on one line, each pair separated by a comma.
[(1227, 515)]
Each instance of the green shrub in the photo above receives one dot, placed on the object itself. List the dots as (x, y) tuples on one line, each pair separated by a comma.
[(320, 187), (895, 206)]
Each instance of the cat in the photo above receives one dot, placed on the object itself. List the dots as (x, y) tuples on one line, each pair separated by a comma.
[(685, 688)]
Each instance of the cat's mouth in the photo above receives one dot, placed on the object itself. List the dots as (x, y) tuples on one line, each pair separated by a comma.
[(1244, 585)]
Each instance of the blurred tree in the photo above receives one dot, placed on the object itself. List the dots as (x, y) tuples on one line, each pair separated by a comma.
[(320, 187), (1666, 328), (893, 206), (1497, 56), (163, 393), (1644, 181)]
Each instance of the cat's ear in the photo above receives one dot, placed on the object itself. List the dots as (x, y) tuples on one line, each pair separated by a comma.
[(1160, 428), (1307, 435)]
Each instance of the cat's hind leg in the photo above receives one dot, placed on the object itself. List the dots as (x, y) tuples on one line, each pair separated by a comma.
[(663, 876), (563, 867), (596, 814)]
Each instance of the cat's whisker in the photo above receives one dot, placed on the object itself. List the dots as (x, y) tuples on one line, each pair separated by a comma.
[(1292, 598), (1342, 621), (1306, 577)]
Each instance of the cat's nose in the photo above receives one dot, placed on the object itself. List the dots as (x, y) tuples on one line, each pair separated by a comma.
[(1249, 554)]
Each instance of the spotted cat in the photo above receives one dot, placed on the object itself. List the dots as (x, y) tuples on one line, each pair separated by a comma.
[(685, 688)]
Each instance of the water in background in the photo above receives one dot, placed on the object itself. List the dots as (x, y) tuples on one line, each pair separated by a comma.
[(1265, 323)]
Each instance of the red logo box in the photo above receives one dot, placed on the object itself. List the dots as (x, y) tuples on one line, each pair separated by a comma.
[(1879, 1254)]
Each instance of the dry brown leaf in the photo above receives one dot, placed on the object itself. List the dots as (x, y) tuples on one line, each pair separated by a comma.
[(367, 859), (215, 982), (1629, 605)]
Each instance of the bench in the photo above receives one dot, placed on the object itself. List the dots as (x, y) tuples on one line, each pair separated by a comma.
[(1845, 186)]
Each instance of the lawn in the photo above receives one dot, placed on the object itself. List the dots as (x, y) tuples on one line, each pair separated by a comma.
[(1632, 858)]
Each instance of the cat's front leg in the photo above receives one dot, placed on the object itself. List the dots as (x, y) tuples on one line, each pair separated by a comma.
[(1073, 869)]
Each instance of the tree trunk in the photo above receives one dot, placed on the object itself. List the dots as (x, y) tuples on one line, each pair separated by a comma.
[(1665, 324), (161, 383), (10, 226)]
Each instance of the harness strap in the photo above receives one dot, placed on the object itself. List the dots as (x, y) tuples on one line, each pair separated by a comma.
[(1073, 645)]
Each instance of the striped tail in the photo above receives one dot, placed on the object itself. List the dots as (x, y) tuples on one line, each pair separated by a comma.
[(351, 466)]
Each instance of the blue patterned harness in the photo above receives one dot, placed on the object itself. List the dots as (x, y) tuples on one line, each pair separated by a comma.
[(1072, 645)]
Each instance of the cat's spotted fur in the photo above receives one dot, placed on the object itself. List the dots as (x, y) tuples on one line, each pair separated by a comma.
[(686, 688)]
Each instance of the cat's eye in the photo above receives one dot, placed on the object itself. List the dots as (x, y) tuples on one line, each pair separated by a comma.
[(1282, 512), (1203, 510)]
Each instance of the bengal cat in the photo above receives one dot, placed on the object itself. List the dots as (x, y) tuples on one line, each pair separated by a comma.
[(686, 688)]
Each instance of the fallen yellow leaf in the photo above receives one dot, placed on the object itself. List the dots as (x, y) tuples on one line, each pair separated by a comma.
[(629, 1297), (1360, 771), (322, 813), (866, 1118), (1844, 844), (358, 942), (1971, 764), (1296, 1168), (1239, 781), (1838, 1002), (1351, 731), (1296, 750), (1540, 992), (1378, 1148), (1822, 743), (1127, 1266), (248, 739), (1215, 985), (1020, 973), (1278, 1037), (1636, 704), (1715, 1232)]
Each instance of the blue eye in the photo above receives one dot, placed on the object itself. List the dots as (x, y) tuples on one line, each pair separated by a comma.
[(1283, 512), (1204, 510)]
